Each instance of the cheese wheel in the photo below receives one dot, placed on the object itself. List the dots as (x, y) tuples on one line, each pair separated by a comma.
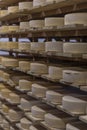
[(38, 90), (14, 98), (24, 46), (74, 105), (13, 28), (37, 46), (54, 21), (5, 108), (54, 122), (7, 62), (3, 13), (38, 2), (54, 47), (36, 23), (76, 18), (25, 124), (13, 9), (24, 25), (38, 112), (25, 5), (75, 48), (54, 97), (5, 93), (38, 68), (4, 29), (24, 65), (25, 84)]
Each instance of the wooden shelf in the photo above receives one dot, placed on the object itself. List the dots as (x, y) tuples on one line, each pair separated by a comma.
[(62, 32)]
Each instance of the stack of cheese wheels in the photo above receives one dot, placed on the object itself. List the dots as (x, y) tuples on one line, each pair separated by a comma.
[(75, 48), (76, 18), (54, 97), (24, 25), (36, 23), (55, 72), (54, 21), (74, 105), (54, 47), (38, 2), (75, 77), (24, 65), (38, 68), (5, 109), (13, 28), (24, 46), (5, 93), (25, 124), (13, 9), (26, 104), (7, 62), (37, 46), (4, 29), (15, 115), (25, 5), (25, 84), (3, 13), (14, 98), (39, 90)]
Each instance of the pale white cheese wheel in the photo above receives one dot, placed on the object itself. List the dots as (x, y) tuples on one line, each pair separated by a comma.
[(15, 115), (23, 46), (13, 28), (54, 21), (77, 77), (37, 46), (25, 124), (54, 122), (14, 98), (38, 112), (38, 2), (25, 84), (54, 97), (74, 105), (38, 68), (75, 48), (7, 62), (54, 47), (39, 90), (13, 9), (24, 65), (36, 23), (3, 13), (76, 18), (25, 5), (55, 72), (24, 25)]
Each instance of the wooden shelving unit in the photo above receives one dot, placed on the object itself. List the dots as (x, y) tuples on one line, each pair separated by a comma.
[(78, 32)]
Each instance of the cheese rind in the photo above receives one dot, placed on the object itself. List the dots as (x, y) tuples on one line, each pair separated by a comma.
[(24, 65), (13, 9), (37, 46), (25, 124), (38, 2), (25, 84), (24, 46), (36, 23), (25, 5), (24, 25)]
